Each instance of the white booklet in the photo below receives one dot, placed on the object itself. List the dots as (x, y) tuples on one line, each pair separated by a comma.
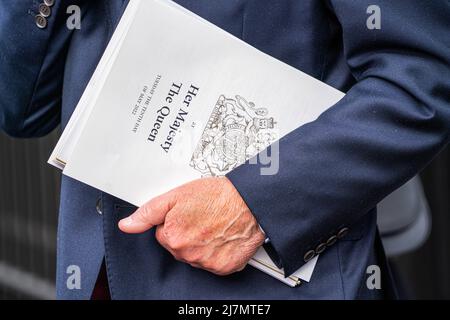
[(175, 98)]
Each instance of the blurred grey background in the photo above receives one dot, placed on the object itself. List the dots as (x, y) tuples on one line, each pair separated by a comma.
[(29, 197)]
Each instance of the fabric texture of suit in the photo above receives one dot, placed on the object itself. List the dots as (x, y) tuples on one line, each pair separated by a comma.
[(394, 119)]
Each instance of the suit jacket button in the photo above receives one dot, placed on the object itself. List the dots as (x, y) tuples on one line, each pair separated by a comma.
[(309, 255), (342, 233), (98, 206), (41, 22), (331, 240), (49, 2), (44, 10), (321, 248)]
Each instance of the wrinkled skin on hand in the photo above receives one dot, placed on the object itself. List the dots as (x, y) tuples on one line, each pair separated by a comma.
[(204, 223)]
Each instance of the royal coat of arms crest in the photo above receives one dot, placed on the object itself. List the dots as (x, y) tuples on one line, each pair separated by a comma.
[(236, 131)]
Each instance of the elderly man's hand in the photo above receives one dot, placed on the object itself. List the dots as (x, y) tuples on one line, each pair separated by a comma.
[(204, 223)]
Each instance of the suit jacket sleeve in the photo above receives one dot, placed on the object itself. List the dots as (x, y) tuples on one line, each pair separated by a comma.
[(31, 67), (386, 129)]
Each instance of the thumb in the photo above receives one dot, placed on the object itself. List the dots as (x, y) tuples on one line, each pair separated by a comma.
[(149, 215)]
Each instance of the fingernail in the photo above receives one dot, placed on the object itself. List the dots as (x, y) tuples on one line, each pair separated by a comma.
[(127, 221)]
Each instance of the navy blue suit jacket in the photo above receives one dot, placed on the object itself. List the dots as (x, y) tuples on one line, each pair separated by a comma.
[(394, 119)]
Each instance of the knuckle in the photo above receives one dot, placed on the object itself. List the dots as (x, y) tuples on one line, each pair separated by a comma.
[(159, 235), (178, 256), (226, 271), (196, 258), (170, 222), (209, 265), (170, 244), (175, 242), (221, 272), (229, 268), (145, 213), (240, 268), (195, 265), (217, 268)]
